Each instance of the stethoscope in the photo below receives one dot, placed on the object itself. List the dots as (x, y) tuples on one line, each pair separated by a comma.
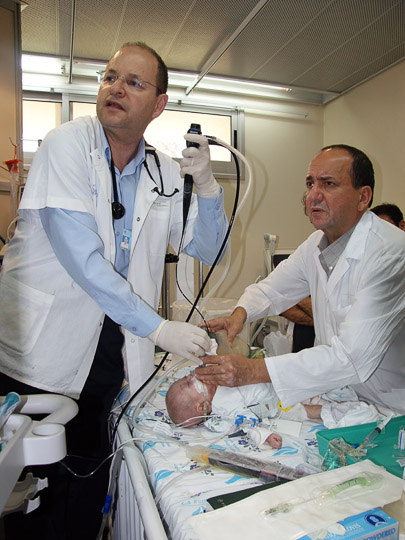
[(118, 209)]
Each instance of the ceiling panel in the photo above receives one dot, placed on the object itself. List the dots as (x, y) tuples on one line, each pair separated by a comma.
[(266, 37), (208, 24), (324, 45), (357, 59)]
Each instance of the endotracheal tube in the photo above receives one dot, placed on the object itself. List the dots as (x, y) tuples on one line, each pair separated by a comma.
[(346, 490)]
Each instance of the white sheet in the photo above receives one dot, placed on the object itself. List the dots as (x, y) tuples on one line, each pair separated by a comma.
[(247, 518), (181, 485)]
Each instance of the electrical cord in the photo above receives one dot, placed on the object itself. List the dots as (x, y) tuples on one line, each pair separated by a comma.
[(113, 455)]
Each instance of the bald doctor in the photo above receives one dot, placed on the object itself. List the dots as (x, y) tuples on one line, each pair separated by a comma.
[(353, 267)]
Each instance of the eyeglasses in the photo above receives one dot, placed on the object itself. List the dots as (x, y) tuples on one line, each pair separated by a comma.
[(134, 84)]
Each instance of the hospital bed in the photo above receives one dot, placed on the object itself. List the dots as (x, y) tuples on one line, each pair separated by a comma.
[(159, 487)]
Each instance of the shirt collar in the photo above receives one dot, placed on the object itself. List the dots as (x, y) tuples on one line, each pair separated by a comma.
[(134, 163), (330, 253)]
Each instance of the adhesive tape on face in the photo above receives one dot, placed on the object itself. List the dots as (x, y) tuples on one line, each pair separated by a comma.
[(200, 386)]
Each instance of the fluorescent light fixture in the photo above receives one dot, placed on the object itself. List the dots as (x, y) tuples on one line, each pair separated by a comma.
[(42, 64), (222, 84), (237, 83), (248, 104), (44, 72), (271, 112), (178, 78)]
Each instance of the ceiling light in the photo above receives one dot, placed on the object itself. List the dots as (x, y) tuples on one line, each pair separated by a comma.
[(255, 86), (42, 64)]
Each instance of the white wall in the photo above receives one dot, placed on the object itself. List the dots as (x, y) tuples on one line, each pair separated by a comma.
[(279, 150), (372, 118)]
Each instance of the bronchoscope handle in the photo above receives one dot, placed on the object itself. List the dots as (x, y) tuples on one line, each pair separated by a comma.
[(188, 179)]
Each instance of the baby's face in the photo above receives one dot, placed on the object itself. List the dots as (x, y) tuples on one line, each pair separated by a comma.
[(183, 400), (187, 388)]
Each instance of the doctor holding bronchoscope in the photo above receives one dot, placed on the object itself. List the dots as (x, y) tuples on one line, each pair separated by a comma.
[(81, 279)]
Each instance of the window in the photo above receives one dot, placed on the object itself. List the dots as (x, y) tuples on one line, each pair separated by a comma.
[(80, 108), (39, 117), (166, 133)]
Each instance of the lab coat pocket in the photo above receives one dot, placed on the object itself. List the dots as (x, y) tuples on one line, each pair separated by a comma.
[(157, 223), (339, 315), (22, 315)]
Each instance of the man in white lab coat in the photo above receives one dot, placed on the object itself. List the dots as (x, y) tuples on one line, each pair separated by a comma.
[(81, 280), (353, 267)]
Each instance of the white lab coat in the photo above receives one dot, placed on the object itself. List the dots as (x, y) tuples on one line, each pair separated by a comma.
[(49, 327), (358, 316)]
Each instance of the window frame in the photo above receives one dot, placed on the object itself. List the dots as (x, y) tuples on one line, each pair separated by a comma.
[(225, 170)]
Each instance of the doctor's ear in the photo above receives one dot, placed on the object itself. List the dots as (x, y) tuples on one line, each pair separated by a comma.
[(160, 105), (366, 195)]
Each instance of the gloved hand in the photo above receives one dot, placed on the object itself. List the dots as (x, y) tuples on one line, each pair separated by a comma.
[(197, 162), (181, 338)]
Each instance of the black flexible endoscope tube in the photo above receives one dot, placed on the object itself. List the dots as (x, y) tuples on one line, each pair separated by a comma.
[(228, 232), (221, 249)]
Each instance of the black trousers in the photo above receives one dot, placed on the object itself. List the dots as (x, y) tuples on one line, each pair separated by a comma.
[(303, 337), (71, 507)]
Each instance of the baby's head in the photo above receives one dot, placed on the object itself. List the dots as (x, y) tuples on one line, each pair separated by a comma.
[(188, 400)]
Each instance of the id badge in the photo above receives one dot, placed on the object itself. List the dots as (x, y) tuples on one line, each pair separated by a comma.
[(126, 239)]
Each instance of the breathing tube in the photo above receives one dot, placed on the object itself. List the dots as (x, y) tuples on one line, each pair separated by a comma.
[(235, 155)]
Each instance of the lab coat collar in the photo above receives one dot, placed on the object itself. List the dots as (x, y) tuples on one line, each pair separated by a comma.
[(357, 243), (354, 251)]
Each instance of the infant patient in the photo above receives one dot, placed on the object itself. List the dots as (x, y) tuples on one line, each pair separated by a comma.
[(189, 401)]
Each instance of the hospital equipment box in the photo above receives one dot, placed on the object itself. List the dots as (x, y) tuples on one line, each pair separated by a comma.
[(385, 443), (371, 525)]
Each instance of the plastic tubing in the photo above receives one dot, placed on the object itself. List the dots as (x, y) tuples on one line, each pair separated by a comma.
[(240, 206), (348, 489), (248, 167), (10, 231)]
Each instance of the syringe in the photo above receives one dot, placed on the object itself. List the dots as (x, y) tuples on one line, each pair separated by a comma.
[(376, 431)]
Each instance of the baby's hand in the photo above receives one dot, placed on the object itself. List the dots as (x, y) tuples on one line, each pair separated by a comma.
[(274, 440)]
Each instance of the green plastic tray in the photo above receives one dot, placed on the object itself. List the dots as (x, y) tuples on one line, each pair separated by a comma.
[(381, 454)]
